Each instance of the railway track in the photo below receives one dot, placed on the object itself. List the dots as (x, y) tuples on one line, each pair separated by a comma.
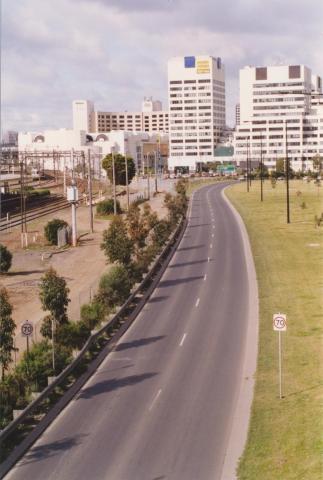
[(36, 211)]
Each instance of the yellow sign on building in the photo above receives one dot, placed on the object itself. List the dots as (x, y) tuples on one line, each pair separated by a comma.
[(202, 66)]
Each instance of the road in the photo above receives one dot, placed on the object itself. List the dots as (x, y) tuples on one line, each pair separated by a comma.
[(161, 405)]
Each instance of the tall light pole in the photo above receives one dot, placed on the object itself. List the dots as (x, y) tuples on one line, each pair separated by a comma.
[(261, 172), (114, 183), (90, 189), (287, 174), (127, 181), (248, 164)]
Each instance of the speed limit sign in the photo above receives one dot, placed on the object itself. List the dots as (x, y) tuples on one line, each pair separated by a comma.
[(27, 329), (279, 322)]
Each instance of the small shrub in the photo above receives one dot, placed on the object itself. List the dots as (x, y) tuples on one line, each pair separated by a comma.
[(73, 335), (39, 193), (303, 205), (92, 314), (51, 229), (5, 259), (106, 207), (318, 221), (115, 286)]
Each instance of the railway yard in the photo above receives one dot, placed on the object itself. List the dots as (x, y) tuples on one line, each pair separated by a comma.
[(81, 267)]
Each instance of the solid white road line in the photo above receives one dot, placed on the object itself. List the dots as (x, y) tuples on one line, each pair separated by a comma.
[(183, 339), (197, 302), (204, 277), (156, 397), (208, 259)]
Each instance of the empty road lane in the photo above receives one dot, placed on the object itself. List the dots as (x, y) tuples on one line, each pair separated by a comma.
[(161, 404)]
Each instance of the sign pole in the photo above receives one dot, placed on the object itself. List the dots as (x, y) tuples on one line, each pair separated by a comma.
[(280, 364)]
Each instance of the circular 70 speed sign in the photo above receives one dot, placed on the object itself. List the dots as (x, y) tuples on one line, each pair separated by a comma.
[(279, 322), (26, 329)]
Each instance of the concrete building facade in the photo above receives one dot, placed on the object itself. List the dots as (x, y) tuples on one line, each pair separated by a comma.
[(281, 111), (196, 93), (152, 118)]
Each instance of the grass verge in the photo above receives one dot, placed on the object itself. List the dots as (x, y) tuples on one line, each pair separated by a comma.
[(285, 436)]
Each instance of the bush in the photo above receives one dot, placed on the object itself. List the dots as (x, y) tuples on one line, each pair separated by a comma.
[(106, 207), (92, 314), (39, 193), (37, 366), (161, 232), (73, 335), (51, 229), (115, 286), (5, 259)]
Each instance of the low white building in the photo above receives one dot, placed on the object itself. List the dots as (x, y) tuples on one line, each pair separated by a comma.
[(65, 148)]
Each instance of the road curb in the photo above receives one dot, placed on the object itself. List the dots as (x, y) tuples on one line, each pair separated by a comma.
[(240, 421)]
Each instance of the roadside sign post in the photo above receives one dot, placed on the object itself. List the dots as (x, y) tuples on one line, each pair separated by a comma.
[(280, 325), (26, 331)]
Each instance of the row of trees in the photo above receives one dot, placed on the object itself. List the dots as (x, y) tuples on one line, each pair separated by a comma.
[(130, 243)]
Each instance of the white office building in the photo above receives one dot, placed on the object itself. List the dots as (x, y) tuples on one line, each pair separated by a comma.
[(281, 111), (59, 149), (196, 93), (151, 118)]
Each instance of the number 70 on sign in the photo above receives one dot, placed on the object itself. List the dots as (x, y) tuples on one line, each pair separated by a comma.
[(279, 322)]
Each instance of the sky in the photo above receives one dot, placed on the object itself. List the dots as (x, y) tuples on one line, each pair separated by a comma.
[(115, 52)]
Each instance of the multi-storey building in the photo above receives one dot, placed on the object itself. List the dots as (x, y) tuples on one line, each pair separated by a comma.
[(196, 93), (281, 111), (238, 114), (150, 119)]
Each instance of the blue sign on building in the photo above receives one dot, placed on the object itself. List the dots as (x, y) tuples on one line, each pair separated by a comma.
[(189, 62)]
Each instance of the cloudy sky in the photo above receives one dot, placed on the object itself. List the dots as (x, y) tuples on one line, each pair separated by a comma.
[(115, 52)]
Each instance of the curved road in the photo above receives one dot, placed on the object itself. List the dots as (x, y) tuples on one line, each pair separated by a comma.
[(161, 405)]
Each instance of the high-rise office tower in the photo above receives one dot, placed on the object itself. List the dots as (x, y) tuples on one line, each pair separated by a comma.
[(196, 93)]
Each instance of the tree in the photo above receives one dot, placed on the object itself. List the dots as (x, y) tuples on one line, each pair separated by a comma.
[(5, 259), (7, 331), (106, 207), (120, 168), (114, 286), (317, 163), (280, 167), (116, 244), (54, 295)]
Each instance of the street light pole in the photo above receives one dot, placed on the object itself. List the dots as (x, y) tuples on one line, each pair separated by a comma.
[(156, 189), (114, 183), (248, 164), (287, 174), (90, 190), (261, 172), (127, 182)]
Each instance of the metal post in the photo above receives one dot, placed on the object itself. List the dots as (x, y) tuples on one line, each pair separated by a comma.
[(72, 162), (287, 174), (248, 164), (64, 177), (156, 189), (21, 198), (90, 190), (27, 339), (74, 235), (261, 173), (53, 346), (280, 364), (127, 181), (148, 185), (114, 184)]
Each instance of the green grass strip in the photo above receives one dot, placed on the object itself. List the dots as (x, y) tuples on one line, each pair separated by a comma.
[(285, 439)]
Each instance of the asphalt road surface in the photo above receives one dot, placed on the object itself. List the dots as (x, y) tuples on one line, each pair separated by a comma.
[(161, 405)]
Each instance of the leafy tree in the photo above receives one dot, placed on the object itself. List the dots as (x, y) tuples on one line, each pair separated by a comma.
[(92, 314), (181, 187), (280, 167), (7, 330), (136, 226), (51, 229), (5, 259), (117, 246), (120, 168), (37, 366), (54, 295), (161, 232), (317, 162), (114, 286)]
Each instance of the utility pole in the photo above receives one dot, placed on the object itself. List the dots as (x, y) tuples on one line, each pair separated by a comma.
[(248, 164), (156, 189), (90, 189), (114, 183), (287, 174), (261, 172), (127, 181)]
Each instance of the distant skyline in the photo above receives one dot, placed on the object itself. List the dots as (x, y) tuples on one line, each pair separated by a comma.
[(115, 52)]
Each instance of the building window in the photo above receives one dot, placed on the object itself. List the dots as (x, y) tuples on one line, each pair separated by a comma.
[(294, 71), (261, 73)]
